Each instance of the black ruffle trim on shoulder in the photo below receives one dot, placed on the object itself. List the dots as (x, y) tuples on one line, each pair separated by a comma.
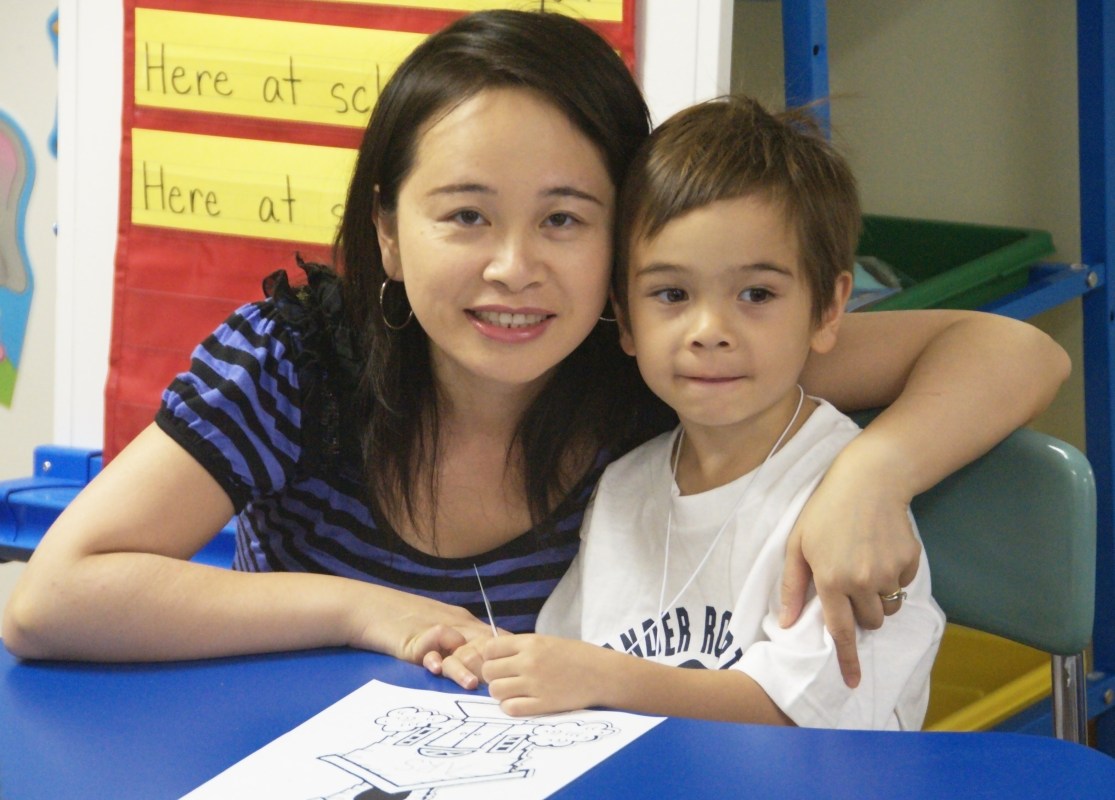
[(328, 364)]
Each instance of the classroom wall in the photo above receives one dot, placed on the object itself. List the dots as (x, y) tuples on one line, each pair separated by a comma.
[(989, 135), (690, 61), (953, 109), (1001, 149), (28, 96), (62, 401)]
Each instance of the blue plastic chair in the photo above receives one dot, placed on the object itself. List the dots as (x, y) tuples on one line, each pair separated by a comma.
[(1011, 541)]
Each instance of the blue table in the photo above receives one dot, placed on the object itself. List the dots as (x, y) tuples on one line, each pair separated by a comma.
[(160, 730)]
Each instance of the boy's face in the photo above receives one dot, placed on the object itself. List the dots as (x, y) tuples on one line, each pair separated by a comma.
[(720, 314)]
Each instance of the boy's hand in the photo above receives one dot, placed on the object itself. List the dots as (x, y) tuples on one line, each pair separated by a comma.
[(531, 674)]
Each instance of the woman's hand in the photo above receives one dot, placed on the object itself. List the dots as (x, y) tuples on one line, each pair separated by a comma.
[(413, 628), (954, 384), (464, 666), (853, 539)]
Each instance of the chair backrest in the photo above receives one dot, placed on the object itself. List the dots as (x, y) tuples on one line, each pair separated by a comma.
[(1011, 541)]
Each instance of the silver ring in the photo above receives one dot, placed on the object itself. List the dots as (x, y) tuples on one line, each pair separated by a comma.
[(894, 597)]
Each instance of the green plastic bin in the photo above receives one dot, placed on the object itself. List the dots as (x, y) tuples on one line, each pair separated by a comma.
[(951, 264)]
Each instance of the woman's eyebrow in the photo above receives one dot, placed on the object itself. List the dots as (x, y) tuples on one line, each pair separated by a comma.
[(461, 188), (480, 188), (572, 191)]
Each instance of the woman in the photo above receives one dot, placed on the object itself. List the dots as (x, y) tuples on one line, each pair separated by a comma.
[(439, 417)]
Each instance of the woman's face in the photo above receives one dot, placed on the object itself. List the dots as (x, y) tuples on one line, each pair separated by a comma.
[(502, 236)]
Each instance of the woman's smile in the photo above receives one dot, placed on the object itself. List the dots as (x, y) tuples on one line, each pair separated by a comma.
[(510, 327), (505, 262), (509, 319)]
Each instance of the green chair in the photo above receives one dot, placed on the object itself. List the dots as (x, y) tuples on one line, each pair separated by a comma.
[(1011, 541)]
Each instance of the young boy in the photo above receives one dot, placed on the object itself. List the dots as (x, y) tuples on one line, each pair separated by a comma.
[(740, 231)]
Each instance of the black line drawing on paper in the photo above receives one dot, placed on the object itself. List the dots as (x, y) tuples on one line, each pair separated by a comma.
[(419, 750)]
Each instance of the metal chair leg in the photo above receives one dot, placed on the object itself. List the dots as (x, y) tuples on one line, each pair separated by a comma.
[(1070, 699)]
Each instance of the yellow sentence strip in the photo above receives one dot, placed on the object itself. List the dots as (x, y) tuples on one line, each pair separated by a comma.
[(244, 187), (267, 69), (600, 10)]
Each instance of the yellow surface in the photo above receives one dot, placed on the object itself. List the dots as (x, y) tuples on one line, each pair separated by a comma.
[(603, 10), (214, 184), (268, 69), (979, 680)]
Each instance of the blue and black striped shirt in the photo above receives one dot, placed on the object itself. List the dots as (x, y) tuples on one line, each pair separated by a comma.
[(242, 411)]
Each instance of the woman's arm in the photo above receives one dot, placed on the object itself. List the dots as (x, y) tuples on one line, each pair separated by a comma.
[(955, 383), (110, 581), (532, 675), (931, 362)]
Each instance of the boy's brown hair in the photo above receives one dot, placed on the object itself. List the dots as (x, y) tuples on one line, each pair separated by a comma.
[(732, 147)]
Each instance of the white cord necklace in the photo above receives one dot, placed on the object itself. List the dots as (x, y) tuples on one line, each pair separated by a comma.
[(662, 606)]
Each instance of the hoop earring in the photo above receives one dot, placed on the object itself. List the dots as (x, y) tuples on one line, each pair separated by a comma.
[(607, 308), (383, 309)]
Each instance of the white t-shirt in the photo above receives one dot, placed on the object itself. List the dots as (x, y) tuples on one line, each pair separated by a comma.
[(727, 617)]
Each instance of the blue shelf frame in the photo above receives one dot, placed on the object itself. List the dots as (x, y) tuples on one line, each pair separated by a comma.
[(805, 52), (1096, 95)]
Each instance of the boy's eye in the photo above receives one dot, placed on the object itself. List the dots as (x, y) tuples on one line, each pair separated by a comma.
[(468, 216), (672, 295), (756, 295)]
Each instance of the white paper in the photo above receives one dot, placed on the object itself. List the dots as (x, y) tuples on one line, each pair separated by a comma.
[(424, 745)]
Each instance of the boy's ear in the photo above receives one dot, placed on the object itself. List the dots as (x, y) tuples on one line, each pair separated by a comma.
[(824, 337), (625, 340), (387, 233)]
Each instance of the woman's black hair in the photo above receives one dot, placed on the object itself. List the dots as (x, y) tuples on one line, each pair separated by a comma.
[(588, 399)]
